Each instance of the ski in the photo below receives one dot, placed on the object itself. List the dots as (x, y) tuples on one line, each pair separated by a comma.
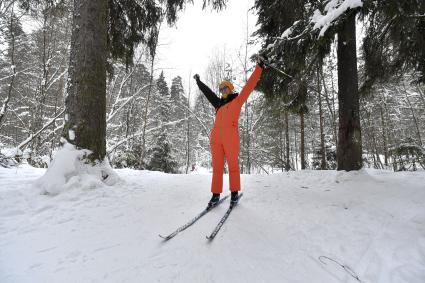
[(192, 221), (223, 219)]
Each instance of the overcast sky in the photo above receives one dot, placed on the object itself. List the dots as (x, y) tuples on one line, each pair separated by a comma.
[(187, 47)]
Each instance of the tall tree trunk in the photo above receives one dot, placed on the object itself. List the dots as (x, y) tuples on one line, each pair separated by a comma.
[(384, 135), (287, 162), (295, 144), (281, 140), (145, 113), (152, 53), (349, 152), (13, 68), (303, 109), (86, 100), (322, 134), (187, 114), (302, 140), (330, 106), (418, 131)]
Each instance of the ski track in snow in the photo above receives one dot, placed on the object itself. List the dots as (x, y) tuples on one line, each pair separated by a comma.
[(372, 222)]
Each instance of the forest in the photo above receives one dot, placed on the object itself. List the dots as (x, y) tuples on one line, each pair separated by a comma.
[(343, 87), (118, 164)]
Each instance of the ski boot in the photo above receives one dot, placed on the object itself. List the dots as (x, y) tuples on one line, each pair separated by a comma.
[(213, 201), (234, 198)]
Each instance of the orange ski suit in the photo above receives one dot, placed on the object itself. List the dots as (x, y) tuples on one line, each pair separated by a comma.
[(224, 138)]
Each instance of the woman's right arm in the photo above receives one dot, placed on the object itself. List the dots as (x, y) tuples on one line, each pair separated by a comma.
[(209, 94)]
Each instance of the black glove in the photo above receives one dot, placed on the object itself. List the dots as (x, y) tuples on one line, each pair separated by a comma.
[(261, 61), (196, 77)]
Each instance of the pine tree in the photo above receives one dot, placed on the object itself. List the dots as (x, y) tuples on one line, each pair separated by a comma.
[(161, 156), (179, 108), (163, 102)]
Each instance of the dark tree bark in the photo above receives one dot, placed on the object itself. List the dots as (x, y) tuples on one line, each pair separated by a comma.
[(349, 151), (287, 162), (321, 122), (302, 93), (302, 141), (86, 97)]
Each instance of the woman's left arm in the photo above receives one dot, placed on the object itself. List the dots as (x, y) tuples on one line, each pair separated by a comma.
[(249, 86)]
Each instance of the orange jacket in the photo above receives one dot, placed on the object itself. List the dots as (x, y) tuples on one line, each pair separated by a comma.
[(228, 114)]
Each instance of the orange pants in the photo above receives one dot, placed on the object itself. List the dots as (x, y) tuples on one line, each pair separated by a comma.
[(224, 140), (225, 147)]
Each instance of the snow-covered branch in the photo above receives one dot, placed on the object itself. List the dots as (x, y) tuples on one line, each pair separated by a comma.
[(113, 113), (30, 138), (109, 150), (334, 9)]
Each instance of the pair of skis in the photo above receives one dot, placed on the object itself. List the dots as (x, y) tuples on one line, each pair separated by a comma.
[(197, 217)]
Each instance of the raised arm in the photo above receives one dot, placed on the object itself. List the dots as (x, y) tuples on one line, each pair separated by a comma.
[(249, 86), (209, 94)]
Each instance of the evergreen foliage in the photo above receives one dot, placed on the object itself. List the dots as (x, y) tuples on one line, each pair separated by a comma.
[(394, 41), (162, 158)]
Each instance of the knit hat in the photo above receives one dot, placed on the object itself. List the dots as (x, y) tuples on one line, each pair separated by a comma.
[(228, 84)]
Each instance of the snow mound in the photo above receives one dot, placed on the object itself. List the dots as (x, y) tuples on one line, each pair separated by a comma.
[(68, 171)]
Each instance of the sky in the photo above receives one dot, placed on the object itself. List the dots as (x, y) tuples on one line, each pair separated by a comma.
[(186, 48)]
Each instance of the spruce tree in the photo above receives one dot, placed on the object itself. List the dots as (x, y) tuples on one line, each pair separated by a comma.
[(161, 156), (178, 132), (299, 47)]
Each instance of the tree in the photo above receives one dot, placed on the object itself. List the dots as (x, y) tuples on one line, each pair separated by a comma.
[(349, 150), (85, 118), (299, 45), (102, 29), (394, 40), (162, 159), (180, 132)]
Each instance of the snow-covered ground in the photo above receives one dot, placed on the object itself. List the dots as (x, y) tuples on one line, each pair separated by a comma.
[(308, 226)]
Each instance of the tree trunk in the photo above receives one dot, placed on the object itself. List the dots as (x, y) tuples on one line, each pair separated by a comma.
[(384, 135), (287, 164), (321, 126), (145, 113), (303, 109), (295, 144), (302, 140), (418, 131), (12, 63), (187, 114), (349, 135), (86, 99)]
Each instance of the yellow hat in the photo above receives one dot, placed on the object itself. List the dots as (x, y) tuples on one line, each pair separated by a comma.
[(228, 84)]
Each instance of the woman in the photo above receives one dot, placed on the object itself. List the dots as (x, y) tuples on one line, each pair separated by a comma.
[(224, 139)]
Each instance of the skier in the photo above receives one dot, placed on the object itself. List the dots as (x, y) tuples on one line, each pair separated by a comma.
[(224, 138)]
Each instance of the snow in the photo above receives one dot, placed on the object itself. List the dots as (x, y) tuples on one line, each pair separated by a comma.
[(300, 226), (71, 135), (289, 30), (3, 108), (67, 171), (10, 152), (334, 9)]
